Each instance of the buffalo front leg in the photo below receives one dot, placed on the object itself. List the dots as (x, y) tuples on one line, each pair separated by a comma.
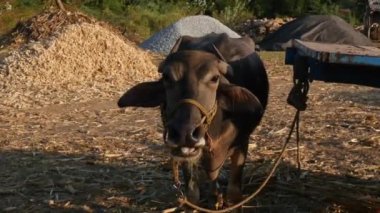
[(215, 196), (190, 175), (214, 165), (234, 192)]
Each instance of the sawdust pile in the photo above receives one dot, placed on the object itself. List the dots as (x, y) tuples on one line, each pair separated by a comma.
[(82, 62)]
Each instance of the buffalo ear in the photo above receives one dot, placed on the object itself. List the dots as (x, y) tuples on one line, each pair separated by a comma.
[(239, 100), (147, 94), (224, 67)]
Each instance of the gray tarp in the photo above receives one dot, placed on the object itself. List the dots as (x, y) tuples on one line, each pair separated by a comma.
[(318, 28)]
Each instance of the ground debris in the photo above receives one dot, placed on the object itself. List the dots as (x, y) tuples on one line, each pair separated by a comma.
[(42, 26), (121, 165)]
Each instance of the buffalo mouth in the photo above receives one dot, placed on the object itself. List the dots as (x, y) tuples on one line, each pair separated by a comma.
[(186, 152)]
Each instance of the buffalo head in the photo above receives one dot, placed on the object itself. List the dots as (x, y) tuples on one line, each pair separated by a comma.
[(192, 91)]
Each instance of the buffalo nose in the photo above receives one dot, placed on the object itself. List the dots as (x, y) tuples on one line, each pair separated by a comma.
[(179, 135), (195, 134), (174, 134)]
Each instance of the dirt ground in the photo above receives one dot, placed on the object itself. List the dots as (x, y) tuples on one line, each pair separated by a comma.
[(94, 157)]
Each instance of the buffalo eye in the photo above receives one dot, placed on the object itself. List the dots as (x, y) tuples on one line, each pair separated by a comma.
[(215, 79)]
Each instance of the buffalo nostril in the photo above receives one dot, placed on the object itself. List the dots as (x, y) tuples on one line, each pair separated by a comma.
[(196, 134)]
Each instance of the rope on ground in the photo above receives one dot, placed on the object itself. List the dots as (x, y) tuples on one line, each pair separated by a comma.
[(183, 201)]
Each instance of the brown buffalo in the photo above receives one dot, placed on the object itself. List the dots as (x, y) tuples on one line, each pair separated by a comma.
[(213, 93)]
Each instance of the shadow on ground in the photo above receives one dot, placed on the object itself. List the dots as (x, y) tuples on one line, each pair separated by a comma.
[(370, 96), (46, 181), (291, 190)]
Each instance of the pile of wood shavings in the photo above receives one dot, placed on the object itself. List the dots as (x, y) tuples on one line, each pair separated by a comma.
[(83, 62)]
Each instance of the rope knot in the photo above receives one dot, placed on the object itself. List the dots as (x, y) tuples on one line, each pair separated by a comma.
[(207, 115)]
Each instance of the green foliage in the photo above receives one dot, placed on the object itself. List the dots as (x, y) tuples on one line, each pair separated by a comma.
[(29, 3), (152, 17), (143, 17), (21, 10), (227, 11), (295, 8), (234, 12)]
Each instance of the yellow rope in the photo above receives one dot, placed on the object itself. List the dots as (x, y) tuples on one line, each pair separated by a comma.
[(184, 201), (209, 115)]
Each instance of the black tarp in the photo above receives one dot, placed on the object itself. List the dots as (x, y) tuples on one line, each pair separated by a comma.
[(318, 28)]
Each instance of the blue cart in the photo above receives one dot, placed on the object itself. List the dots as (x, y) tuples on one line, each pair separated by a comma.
[(335, 63)]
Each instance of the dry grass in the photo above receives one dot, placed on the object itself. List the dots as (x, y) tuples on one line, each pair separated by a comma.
[(66, 147), (93, 157)]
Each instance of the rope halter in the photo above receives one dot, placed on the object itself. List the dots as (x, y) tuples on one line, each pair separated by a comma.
[(207, 115)]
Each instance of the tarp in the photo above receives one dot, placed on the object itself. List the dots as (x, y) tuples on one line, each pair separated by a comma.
[(317, 28)]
